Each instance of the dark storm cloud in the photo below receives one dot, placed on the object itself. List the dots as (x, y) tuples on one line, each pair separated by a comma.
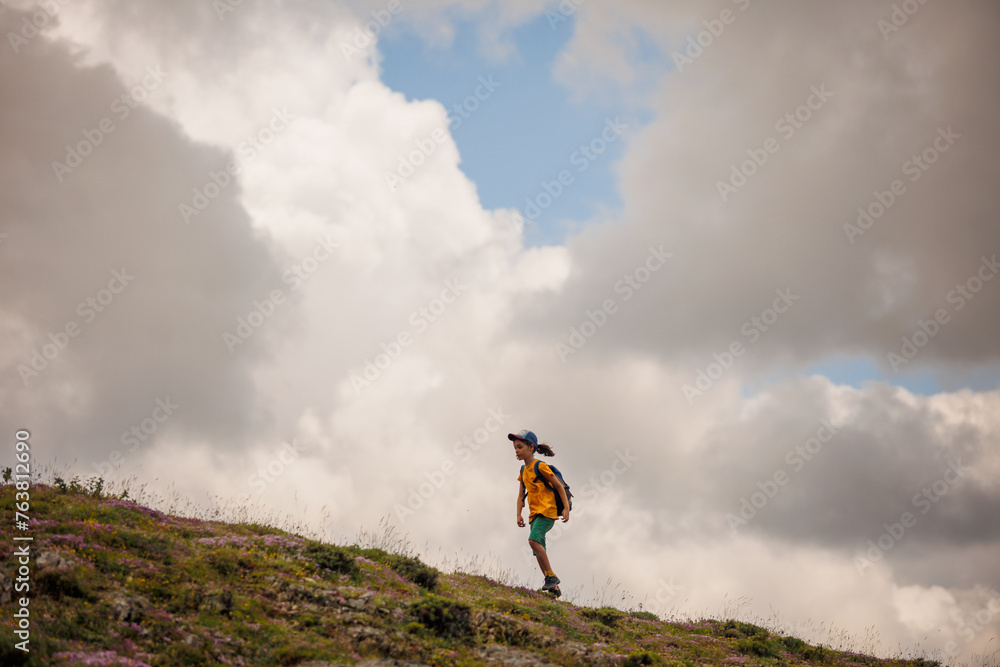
[(766, 146), (839, 470), (101, 272)]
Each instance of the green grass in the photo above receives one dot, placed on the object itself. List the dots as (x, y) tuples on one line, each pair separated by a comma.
[(199, 592)]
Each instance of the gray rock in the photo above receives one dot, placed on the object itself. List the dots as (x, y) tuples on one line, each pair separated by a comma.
[(6, 588), (219, 601), (51, 559), (364, 601), (129, 609), (498, 654), (588, 654)]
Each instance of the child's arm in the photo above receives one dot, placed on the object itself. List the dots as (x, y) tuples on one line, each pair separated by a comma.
[(520, 505), (561, 490)]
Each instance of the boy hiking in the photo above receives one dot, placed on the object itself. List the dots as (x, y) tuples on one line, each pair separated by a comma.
[(542, 487)]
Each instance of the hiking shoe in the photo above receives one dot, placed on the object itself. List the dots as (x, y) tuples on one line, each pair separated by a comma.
[(551, 583), (554, 592)]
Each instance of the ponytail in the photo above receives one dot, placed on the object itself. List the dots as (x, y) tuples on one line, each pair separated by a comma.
[(544, 449)]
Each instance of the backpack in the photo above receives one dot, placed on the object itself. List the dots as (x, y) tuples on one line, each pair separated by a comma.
[(555, 471)]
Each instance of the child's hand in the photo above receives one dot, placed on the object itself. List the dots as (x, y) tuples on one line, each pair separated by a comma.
[(565, 514), (520, 521)]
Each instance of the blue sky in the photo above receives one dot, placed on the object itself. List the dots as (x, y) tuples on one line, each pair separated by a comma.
[(526, 132), (919, 380), (530, 128)]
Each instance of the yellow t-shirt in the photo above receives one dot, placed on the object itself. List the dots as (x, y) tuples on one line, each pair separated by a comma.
[(540, 499)]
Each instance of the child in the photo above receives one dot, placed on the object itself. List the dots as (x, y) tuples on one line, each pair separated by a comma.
[(541, 501)]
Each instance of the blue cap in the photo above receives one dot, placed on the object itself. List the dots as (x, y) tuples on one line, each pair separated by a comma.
[(525, 435)]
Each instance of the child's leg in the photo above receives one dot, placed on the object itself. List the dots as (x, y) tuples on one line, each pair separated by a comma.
[(539, 526), (540, 556)]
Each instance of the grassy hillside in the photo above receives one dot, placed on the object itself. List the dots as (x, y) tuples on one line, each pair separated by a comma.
[(117, 583)]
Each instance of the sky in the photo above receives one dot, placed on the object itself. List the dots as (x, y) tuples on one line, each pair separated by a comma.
[(733, 261)]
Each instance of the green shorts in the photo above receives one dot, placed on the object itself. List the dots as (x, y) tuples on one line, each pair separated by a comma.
[(539, 526)]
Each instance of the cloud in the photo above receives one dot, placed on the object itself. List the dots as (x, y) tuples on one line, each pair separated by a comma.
[(111, 300), (883, 102), (830, 466)]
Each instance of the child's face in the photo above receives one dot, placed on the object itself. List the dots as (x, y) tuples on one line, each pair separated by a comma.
[(523, 450)]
